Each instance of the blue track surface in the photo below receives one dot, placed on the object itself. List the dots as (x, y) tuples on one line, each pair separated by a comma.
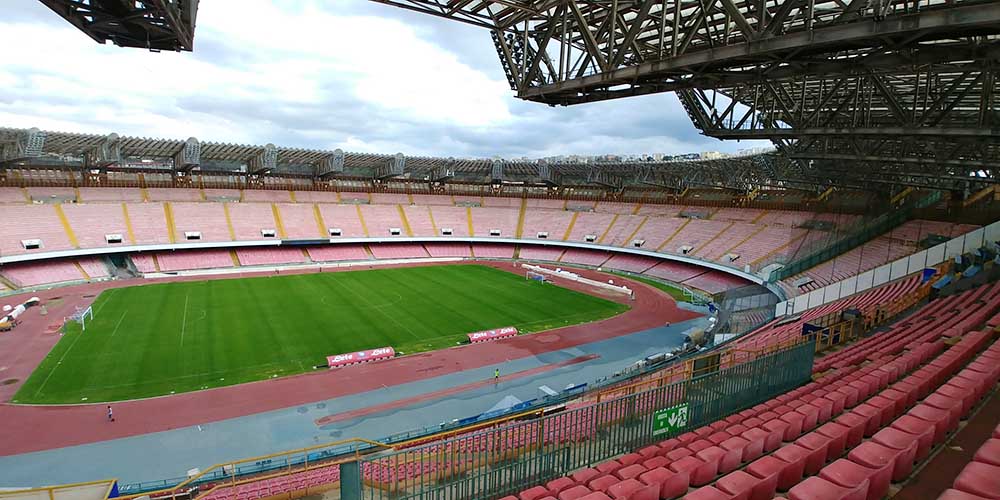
[(169, 454)]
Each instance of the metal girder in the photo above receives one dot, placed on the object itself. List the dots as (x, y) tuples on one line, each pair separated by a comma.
[(105, 153), (150, 24), (331, 165), (884, 83), (265, 161), (393, 167), (189, 156), (21, 145)]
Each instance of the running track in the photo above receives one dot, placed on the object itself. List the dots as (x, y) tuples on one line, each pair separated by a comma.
[(34, 428)]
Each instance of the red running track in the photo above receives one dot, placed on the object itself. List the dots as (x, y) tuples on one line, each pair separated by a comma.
[(34, 428)]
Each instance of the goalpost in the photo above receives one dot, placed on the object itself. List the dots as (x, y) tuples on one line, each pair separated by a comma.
[(81, 315), (532, 275)]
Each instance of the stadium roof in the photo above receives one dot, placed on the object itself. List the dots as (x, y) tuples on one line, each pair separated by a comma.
[(33, 148)]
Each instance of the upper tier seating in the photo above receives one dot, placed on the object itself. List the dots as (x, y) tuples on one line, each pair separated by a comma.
[(421, 223), (299, 220), (620, 233), (12, 195), (249, 220), (92, 223), (613, 207), (207, 218), (591, 224), (432, 200), (381, 219), (454, 218), (512, 203), (659, 230), (390, 199), (109, 195), (696, 234), (266, 195), (554, 204), (485, 220), (315, 197), (173, 194), (30, 222), (343, 217), (149, 223), (552, 222), (747, 215)]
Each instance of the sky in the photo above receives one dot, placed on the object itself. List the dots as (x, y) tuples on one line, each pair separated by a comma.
[(349, 74)]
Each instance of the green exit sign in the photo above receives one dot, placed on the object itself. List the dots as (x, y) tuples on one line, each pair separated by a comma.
[(670, 419)]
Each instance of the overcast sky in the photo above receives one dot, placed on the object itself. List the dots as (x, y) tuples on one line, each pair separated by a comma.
[(351, 74)]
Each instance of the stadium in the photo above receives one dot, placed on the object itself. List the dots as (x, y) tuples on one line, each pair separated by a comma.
[(191, 319)]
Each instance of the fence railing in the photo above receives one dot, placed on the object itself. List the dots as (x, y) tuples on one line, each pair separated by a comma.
[(500, 461)]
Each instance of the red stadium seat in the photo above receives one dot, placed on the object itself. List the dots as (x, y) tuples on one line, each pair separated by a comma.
[(671, 484), (951, 494), (979, 479), (707, 493), (559, 484), (794, 457), (574, 493), (989, 452), (533, 493), (766, 470), (818, 446), (739, 485), (584, 476), (848, 474), (630, 471), (816, 488), (876, 456), (919, 428), (602, 483), (837, 434), (696, 470)]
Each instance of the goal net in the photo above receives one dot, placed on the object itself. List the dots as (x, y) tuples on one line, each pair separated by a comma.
[(532, 275), (82, 315)]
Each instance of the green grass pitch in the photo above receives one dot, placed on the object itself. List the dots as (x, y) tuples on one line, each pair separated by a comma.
[(163, 338)]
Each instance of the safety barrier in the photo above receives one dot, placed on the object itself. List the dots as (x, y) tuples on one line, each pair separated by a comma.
[(502, 460)]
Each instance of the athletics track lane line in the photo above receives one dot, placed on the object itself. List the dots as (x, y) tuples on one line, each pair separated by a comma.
[(401, 403)]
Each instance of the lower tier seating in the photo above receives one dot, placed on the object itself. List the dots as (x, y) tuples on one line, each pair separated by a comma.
[(846, 435)]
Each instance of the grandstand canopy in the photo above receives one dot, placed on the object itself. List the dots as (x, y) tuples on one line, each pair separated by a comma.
[(33, 148)]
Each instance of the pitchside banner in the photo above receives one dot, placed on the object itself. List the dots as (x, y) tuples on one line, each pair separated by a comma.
[(487, 335), (360, 357)]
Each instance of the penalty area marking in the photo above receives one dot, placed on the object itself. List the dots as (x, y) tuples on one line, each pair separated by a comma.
[(113, 332), (184, 318)]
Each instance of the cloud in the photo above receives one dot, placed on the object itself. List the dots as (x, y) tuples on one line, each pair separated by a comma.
[(351, 74)]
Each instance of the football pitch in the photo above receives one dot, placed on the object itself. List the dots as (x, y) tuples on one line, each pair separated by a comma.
[(166, 338)]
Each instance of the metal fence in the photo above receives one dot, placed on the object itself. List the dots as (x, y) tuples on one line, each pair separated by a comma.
[(500, 461)]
